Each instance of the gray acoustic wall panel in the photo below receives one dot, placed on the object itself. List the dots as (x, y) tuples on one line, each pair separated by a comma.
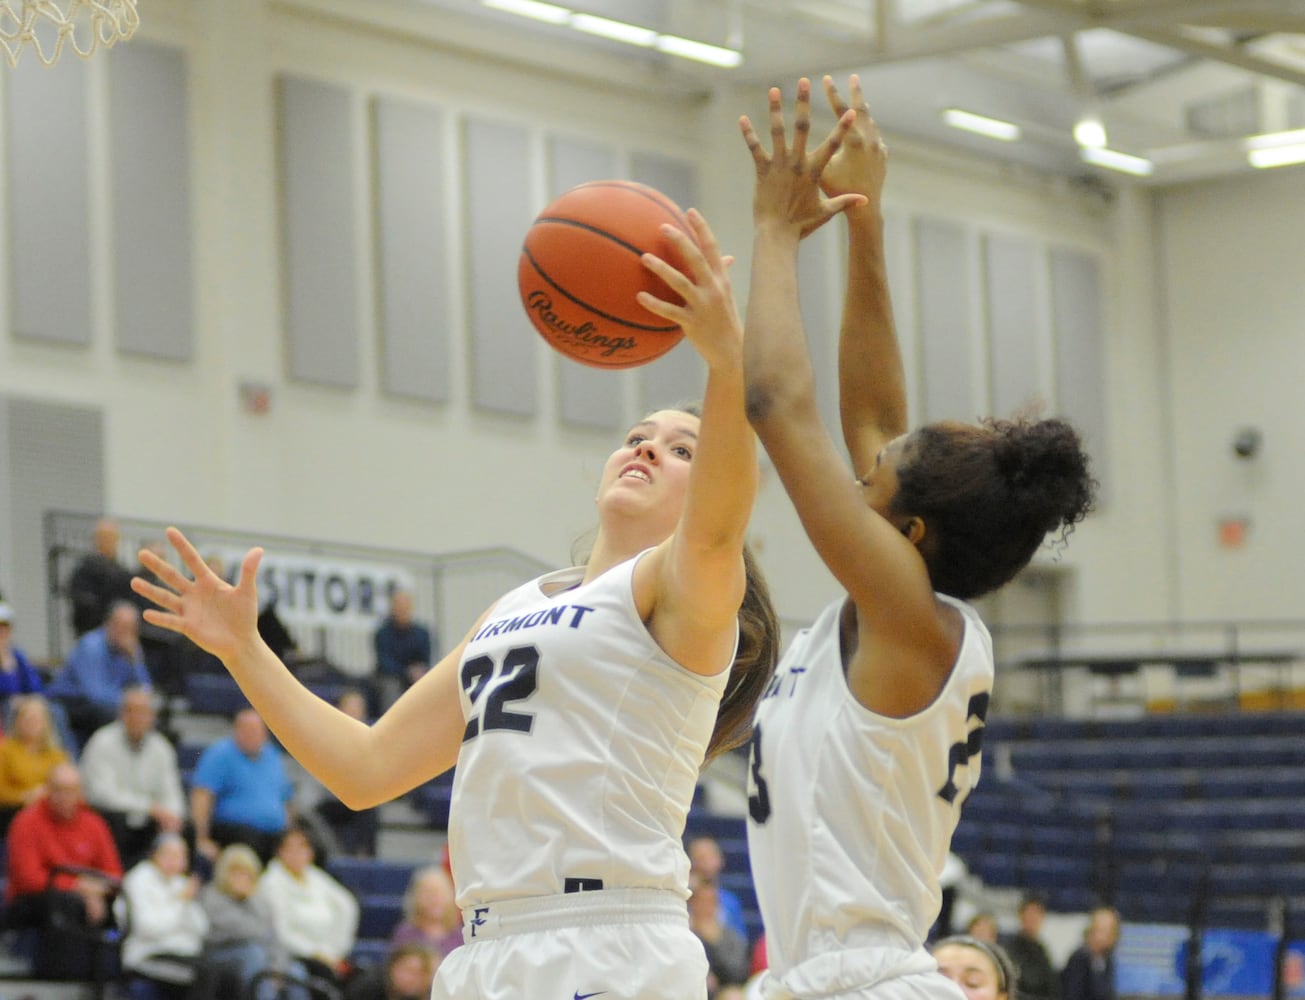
[(679, 375), (1016, 328), (412, 226), (586, 397), (320, 232), (55, 462), (821, 278), (153, 277), (49, 228), (943, 310), (1078, 315), (504, 346)]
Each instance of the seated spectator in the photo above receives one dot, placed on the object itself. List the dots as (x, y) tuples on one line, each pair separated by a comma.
[(241, 940), (728, 962), (1038, 978), (980, 968), (104, 662), (162, 949), (983, 926), (430, 916), (316, 918), (27, 756), (351, 831), (17, 675), (98, 580), (240, 792), (403, 651), (1089, 974), (131, 777), (59, 831), (707, 860), (406, 974)]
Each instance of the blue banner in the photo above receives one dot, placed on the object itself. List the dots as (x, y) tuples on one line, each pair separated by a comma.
[(1151, 960)]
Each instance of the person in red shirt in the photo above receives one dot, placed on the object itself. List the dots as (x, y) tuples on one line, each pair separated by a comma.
[(60, 830)]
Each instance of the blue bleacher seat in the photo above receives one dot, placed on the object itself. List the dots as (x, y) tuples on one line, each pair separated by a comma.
[(372, 876), (378, 915)]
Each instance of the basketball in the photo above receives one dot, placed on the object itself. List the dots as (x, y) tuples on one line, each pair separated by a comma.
[(580, 270)]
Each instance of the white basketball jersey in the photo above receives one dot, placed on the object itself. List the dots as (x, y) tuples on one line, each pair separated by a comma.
[(852, 813), (582, 749)]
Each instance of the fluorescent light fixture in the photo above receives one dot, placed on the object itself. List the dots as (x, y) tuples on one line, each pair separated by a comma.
[(1090, 132), (686, 48), (993, 128), (620, 31), (546, 12), (1270, 140), (1276, 156), (631, 34), (1112, 159)]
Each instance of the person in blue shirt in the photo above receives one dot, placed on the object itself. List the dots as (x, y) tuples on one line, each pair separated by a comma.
[(17, 675), (240, 791), (105, 662), (403, 651)]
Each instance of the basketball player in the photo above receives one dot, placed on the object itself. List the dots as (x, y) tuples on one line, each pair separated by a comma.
[(578, 709), (867, 740), (982, 969)]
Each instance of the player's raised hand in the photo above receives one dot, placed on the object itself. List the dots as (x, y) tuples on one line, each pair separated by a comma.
[(788, 177), (709, 316), (861, 162), (216, 616)]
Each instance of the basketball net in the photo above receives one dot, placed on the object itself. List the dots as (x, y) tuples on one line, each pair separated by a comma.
[(47, 26)]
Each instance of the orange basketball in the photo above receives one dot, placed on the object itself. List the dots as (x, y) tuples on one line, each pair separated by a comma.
[(580, 268)]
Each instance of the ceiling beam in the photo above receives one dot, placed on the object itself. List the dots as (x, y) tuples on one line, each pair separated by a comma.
[(1231, 55)]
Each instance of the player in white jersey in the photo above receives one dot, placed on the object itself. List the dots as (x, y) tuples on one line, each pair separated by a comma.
[(868, 739), (578, 708)]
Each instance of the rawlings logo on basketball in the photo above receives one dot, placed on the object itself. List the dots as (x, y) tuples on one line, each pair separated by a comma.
[(584, 333)]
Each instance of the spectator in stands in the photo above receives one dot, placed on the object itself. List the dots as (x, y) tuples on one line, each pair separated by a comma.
[(240, 792), (60, 831), (707, 860), (98, 580), (132, 778), (867, 743), (404, 649), (163, 944), (1090, 972), (316, 918), (983, 925), (430, 916), (982, 969), (242, 940), (728, 962), (17, 675), (406, 974), (354, 831), (1038, 978), (27, 756), (104, 662)]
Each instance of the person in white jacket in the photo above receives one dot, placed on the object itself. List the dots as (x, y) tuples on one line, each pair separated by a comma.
[(164, 923), (131, 777), (316, 918)]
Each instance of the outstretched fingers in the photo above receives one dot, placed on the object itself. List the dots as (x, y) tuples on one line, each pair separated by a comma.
[(164, 598), (801, 122), (826, 150)]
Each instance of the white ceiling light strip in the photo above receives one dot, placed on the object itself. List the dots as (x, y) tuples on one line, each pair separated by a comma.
[(993, 128), (620, 31), (1112, 159)]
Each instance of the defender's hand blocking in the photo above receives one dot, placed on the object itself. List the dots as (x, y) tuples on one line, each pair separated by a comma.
[(788, 178), (861, 163), (709, 316), (217, 617)]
